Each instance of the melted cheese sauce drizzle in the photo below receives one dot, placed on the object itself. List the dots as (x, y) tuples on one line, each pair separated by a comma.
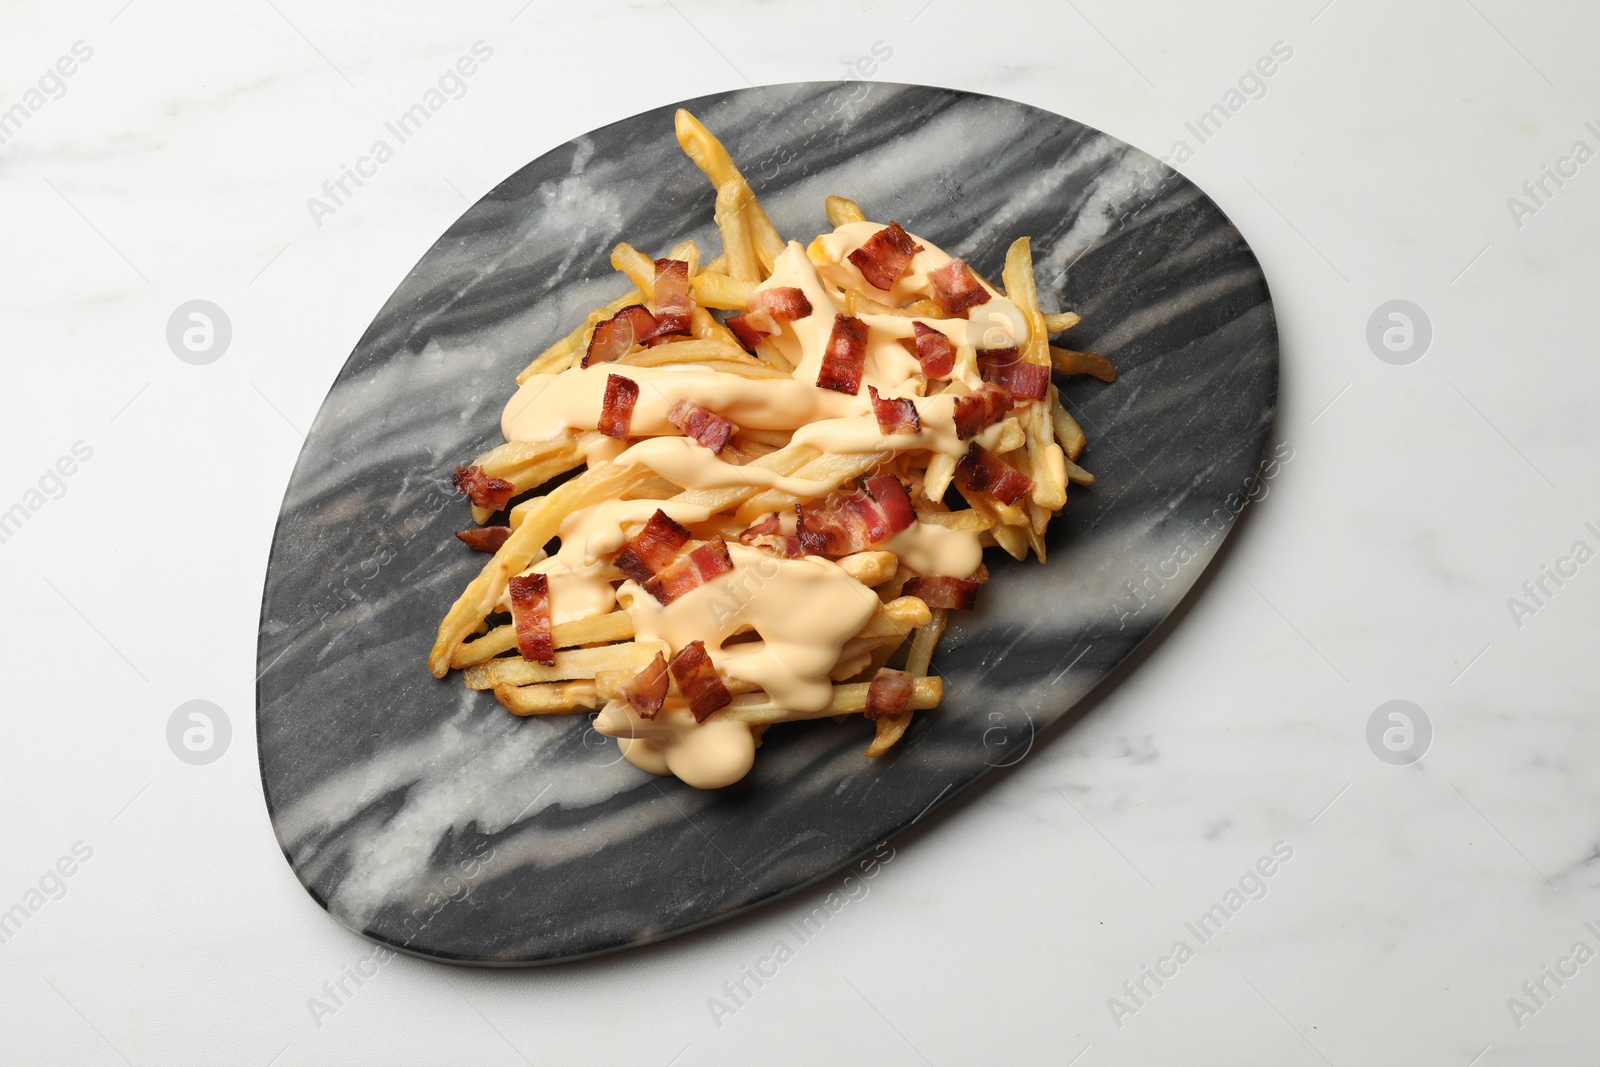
[(802, 610)]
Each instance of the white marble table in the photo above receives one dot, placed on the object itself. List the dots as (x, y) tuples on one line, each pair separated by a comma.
[(1414, 913)]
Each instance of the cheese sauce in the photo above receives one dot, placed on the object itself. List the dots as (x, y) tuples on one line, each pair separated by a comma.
[(791, 617)]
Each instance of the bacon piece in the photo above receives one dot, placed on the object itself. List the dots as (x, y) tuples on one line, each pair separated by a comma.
[(940, 592), (895, 414), (653, 548), (482, 490), (767, 308), (852, 522), (978, 411), (616, 410), (530, 611), (985, 472), (776, 533), (709, 428), (889, 694), (845, 357), (784, 303), (698, 680), (484, 538), (698, 567), (892, 499), (648, 689), (672, 297), (934, 351), (612, 338), (956, 288), (745, 328), (1003, 367), (885, 255)]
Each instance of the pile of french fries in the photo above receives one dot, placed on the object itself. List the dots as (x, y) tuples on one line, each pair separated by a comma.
[(595, 656)]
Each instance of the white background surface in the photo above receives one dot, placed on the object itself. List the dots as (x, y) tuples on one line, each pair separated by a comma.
[(1377, 165)]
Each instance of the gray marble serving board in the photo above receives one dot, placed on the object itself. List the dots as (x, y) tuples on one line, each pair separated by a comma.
[(424, 816)]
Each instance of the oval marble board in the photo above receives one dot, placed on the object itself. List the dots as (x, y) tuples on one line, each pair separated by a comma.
[(424, 816)]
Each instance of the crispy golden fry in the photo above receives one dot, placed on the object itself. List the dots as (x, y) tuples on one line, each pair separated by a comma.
[(833, 468), (1066, 320), (926, 639), (718, 355), (1049, 471), (786, 460), (870, 568), (956, 520), (888, 732), (1066, 361), (608, 684), (1077, 475), (841, 211), (572, 663), (772, 438), (1012, 436), (547, 698), (687, 251), (561, 355), (703, 326), (538, 526), (1067, 430), (718, 290), (757, 708), (640, 268), (936, 478), (924, 309), (597, 629), (715, 162), (733, 224)]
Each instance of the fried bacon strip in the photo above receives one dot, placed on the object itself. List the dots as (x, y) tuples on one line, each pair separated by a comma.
[(845, 358), (482, 490), (648, 689), (934, 351), (852, 522), (653, 548), (767, 308), (698, 681), (978, 411), (697, 568), (940, 592), (956, 289), (530, 612), (616, 410), (1003, 367), (484, 538), (709, 428), (612, 338), (885, 256), (672, 301), (985, 472), (889, 694), (895, 414), (776, 533)]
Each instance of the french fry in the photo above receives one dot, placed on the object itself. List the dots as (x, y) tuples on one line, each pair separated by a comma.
[(1066, 361), (968, 519), (723, 291), (705, 327), (715, 162), (561, 355), (936, 479), (758, 708), (547, 698), (596, 629), (841, 211), (889, 730), (1012, 437), (1058, 323), (640, 268), (1047, 459), (721, 355), (734, 226), (870, 568), (538, 526), (1077, 475), (570, 664), (784, 461), (1067, 430), (834, 468)]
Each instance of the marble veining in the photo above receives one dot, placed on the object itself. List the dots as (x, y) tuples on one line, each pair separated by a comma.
[(422, 815)]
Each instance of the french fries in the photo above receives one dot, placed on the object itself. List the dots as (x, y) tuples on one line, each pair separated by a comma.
[(536, 667)]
